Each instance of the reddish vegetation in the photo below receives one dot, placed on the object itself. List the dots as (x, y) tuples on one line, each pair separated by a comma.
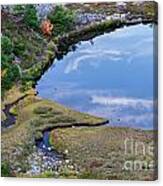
[(46, 27)]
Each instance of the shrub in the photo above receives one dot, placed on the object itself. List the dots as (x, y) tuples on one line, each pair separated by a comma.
[(62, 19), (19, 48), (6, 44), (11, 70), (5, 60), (42, 110), (11, 75), (30, 16)]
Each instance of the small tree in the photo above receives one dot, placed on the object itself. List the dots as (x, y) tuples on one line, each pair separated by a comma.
[(62, 19)]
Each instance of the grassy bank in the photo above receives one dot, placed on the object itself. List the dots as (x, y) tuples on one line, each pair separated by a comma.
[(35, 115)]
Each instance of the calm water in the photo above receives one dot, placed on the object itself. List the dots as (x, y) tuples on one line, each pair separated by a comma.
[(110, 76)]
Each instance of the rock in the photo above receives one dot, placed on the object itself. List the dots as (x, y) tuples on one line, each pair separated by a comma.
[(71, 167), (87, 18), (67, 161), (56, 173)]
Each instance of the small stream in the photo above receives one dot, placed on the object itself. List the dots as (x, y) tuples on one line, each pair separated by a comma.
[(10, 118), (45, 146), (44, 157)]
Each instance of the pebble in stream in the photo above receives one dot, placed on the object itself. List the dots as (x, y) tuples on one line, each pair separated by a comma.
[(42, 161)]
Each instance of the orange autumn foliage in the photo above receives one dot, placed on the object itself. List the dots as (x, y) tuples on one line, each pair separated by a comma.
[(46, 27)]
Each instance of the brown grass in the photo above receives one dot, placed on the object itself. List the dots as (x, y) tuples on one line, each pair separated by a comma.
[(100, 151)]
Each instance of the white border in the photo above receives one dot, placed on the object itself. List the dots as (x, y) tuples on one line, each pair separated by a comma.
[(48, 182)]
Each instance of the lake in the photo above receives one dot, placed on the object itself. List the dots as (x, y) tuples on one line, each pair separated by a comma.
[(110, 76)]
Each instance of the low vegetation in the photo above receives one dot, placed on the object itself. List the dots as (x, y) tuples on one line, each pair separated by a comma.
[(99, 152), (9, 71)]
